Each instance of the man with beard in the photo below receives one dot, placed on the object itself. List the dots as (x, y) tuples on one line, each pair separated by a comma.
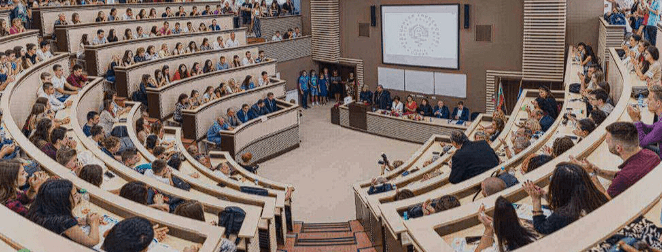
[(622, 140)]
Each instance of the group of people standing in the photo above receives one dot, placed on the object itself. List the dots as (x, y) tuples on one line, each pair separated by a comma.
[(319, 88)]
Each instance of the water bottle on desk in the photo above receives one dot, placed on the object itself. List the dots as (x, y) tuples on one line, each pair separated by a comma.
[(640, 100), (85, 202), (406, 216)]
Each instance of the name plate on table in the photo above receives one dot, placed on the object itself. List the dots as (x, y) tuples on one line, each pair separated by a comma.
[(348, 100)]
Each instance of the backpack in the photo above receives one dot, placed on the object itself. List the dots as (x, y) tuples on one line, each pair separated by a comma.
[(380, 188), (254, 190), (181, 184), (231, 218)]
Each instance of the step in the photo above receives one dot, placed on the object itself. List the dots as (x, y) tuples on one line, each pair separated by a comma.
[(343, 241), (324, 235), (325, 227), (362, 240), (370, 249)]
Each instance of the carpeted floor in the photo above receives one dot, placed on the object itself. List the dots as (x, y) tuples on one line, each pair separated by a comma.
[(330, 159)]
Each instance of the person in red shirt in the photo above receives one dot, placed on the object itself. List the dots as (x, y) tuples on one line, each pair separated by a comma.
[(622, 140), (77, 78)]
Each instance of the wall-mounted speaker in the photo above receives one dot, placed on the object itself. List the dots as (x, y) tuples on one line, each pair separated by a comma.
[(373, 15), (467, 16)]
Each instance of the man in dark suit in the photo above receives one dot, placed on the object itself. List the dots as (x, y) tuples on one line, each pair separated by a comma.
[(270, 103), (470, 158), (232, 118), (382, 98), (258, 109), (243, 114), (441, 111), (545, 121), (460, 112)]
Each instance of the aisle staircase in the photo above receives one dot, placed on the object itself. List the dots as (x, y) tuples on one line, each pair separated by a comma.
[(327, 237)]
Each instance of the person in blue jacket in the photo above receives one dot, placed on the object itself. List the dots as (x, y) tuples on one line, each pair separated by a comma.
[(460, 112), (243, 114), (214, 132), (441, 111), (365, 96), (258, 109), (270, 103), (382, 98)]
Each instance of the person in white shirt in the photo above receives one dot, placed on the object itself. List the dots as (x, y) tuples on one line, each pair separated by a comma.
[(140, 34), (44, 51), (264, 80), (277, 37), (218, 44), (128, 15), (100, 38), (49, 92), (232, 41), (60, 83), (160, 171), (248, 60), (397, 106)]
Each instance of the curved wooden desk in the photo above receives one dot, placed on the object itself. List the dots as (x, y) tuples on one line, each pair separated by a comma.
[(21, 39), (183, 231), (98, 57), (68, 36)]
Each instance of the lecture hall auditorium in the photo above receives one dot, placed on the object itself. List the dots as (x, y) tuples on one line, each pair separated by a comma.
[(330, 125)]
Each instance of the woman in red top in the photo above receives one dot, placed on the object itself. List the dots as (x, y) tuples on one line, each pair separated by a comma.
[(181, 73), (13, 176), (410, 106)]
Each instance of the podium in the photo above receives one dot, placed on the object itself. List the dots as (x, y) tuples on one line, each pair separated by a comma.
[(358, 116)]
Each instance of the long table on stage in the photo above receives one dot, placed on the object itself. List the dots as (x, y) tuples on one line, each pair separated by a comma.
[(360, 117)]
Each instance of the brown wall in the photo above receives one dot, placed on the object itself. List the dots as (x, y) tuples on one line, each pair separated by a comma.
[(582, 21), (305, 15), (289, 70), (503, 53)]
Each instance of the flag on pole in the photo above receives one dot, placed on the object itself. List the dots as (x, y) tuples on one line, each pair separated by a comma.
[(500, 98)]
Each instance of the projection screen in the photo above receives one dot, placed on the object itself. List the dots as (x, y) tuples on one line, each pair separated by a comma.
[(421, 35)]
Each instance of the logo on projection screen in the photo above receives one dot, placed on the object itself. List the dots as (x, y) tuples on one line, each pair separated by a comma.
[(419, 34)]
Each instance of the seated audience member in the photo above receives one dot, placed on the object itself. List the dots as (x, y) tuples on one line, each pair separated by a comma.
[(397, 106), (584, 127), (264, 80), (214, 132), (365, 96), (31, 54), (55, 103), (403, 194), (520, 144), (58, 140), (622, 141), (598, 99), (232, 41), (495, 129), (97, 135), (248, 60), (182, 103), (258, 109), (222, 64), (138, 192), (559, 146), (135, 234), (12, 177), (382, 98), (424, 109), (567, 179), (505, 224), (243, 114), (232, 119), (460, 112), (491, 186), (160, 171), (100, 39), (68, 158), (270, 103), (111, 145), (261, 57), (547, 102), (430, 206), (654, 73), (77, 79), (410, 106), (650, 136), (192, 209), (545, 121), (130, 158), (140, 55), (93, 174), (598, 116), (534, 161), (53, 210), (214, 25), (470, 158), (112, 36), (92, 120), (441, 111), (44, 51), (108, 117), (277, 37)]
